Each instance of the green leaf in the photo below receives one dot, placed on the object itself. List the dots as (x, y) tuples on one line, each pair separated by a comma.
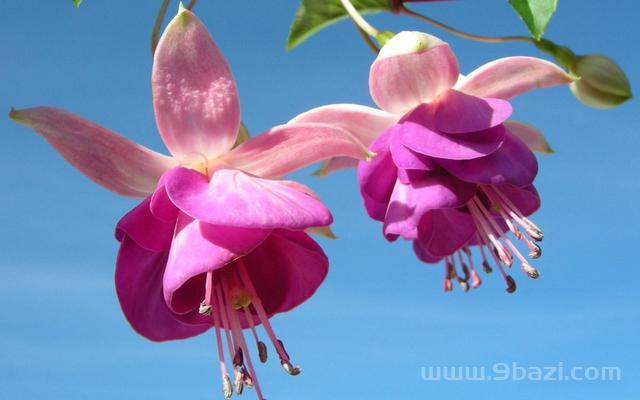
[(536, 14), (313, 15), (77, 3)]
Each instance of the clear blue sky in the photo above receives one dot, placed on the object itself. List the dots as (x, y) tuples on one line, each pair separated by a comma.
[(381, 314)]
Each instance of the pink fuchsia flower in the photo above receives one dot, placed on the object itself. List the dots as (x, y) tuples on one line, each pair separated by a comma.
[(450, 170), (219, 240)]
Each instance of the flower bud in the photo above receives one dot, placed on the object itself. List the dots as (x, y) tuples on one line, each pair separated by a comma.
[(602, 83)]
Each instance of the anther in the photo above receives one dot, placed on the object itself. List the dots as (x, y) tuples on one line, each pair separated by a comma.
[(204, 309), (289, 368), (262, 352), (227, 388), (465, 271), (464, 285), (532, 272), (511, 284), (246, 378), (238, 358), (238, 381), (475, 279), (447, 286), (535, 250), (486, 267)]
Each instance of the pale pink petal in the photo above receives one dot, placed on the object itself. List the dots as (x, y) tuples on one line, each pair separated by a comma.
[(286, 148), (335, 164), (457, 112), (198, 248), (109, 159), (194, 94), (234, 198), (365, 123), (531, 136), (511, 76), (401, 82)]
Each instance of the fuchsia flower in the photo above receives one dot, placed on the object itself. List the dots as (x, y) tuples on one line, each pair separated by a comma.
[(217, 241), (450, 171)]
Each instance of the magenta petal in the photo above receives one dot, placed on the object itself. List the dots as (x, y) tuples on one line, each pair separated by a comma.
[(409, 202), (416, 132), (198, 248), (513, 163), (457, 112), (526, 199), (139, 287), (286, 269), (377, 178), (194, 94), (405, 158), (234, 198), (443, 232), (161, 205), (424, 255), (141, 226)]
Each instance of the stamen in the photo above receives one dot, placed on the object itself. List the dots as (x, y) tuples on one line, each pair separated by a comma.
[(205, 306), (257, 306), (227, 388), (475, 278), (242, 346), (503, 254), (528, 269), (511, 284), (447, 286), (485, 263), (531, 229), (262, 348)]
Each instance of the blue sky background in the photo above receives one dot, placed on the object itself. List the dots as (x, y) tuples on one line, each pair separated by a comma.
[(381, 314)]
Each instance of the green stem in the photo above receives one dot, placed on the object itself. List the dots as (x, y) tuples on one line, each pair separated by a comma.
[(157, 25), (358, 19), (367, 39), (466, 35)]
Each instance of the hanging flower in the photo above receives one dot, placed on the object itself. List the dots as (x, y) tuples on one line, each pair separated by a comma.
[(450, 171), (219, 240)]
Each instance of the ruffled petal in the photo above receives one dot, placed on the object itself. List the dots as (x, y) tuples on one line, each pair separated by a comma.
[(513, 163), (526, 199), (145, 229), (405, 158), (377, 177), (198, 248), (234, 198), (194, 94), (287, 148), (364, 123), (532, 137), (442, 232), (399, 82), (417, 132), (410, 202), (286, 269), (139, 288), (457, 112), (423, 255), (511, 76), (109, 159)]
